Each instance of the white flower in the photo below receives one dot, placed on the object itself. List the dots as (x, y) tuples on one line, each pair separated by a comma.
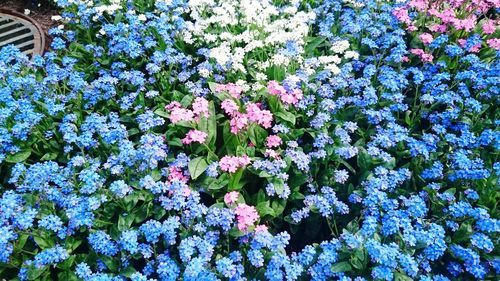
[(27, 11), (351, 55)]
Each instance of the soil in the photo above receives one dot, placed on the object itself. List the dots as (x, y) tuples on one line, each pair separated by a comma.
[(40, 10)]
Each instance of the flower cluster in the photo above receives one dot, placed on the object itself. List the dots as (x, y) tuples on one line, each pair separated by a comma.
[(254, 140)]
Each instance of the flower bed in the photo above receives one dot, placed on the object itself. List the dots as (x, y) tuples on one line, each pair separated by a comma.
[(254, 140)]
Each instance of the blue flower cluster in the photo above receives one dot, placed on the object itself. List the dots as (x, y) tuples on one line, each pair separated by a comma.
[(383, 166)]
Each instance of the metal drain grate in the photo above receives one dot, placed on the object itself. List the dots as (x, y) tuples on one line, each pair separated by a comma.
[(22, 32)]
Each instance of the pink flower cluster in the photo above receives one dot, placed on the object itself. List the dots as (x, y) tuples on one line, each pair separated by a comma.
[(449, 14), (232, 163), (231, 197), (285, 96), (233, 89), (246, 216), (240, 121), (176, 174), (178, 113), (422, 54), (194, 136), (273, 141)]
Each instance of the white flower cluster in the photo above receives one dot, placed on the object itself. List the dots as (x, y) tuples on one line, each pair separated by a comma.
[(265, 41), (340, 50)]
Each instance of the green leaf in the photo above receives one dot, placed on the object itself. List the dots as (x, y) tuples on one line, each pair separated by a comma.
[(18, 157), (264, 209), (234, 182), (364, 160), (257, 134), (35, 273), (286, 116), (219, 183), (401, 277), (162, 113), (197, 166), (314, 42), (156, 174), (67, 275), (127, 271), (125, 221), (341, 267), (44, 242), (236, 232), (211, 126), (49, 156), (278, 184), (278, 206)]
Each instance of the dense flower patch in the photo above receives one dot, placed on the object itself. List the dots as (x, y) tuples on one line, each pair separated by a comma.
[(254, 140)]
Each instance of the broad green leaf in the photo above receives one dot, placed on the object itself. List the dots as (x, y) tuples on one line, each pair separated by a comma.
[(18, 157), (341, 267), (197, 166), (286, 116)]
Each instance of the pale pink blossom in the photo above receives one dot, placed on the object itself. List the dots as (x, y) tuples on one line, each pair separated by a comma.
[(275, 88), (230, 107), (200, 107), (272, 154), (176, 174), (178, 114), (426, 38), (494, 43), (261, 228), (246, 216), (273, 141), (417, 52), (441, 28), (261, 117), (489, 27), (233, 89), (238, 123), (194, 136), (426, 57), (231, 197), (402, 15), (232, 163)]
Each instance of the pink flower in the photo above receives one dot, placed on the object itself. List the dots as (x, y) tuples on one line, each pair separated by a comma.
[(475, 48), (200, 107), (426, 57), (172, 105), (230, 107), (489, 27), (233, 89), (426, 38), (273, 141), (420, 5), (438, 28), (261, 117), (238, 123), (232, 163), (261, 228), (246, 216), (178, 114), (194, 136), (417, 52), (176, 174), (231, 197), (402, 15), (405, 59), (275, 88), (494, 43), (272, 154)]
